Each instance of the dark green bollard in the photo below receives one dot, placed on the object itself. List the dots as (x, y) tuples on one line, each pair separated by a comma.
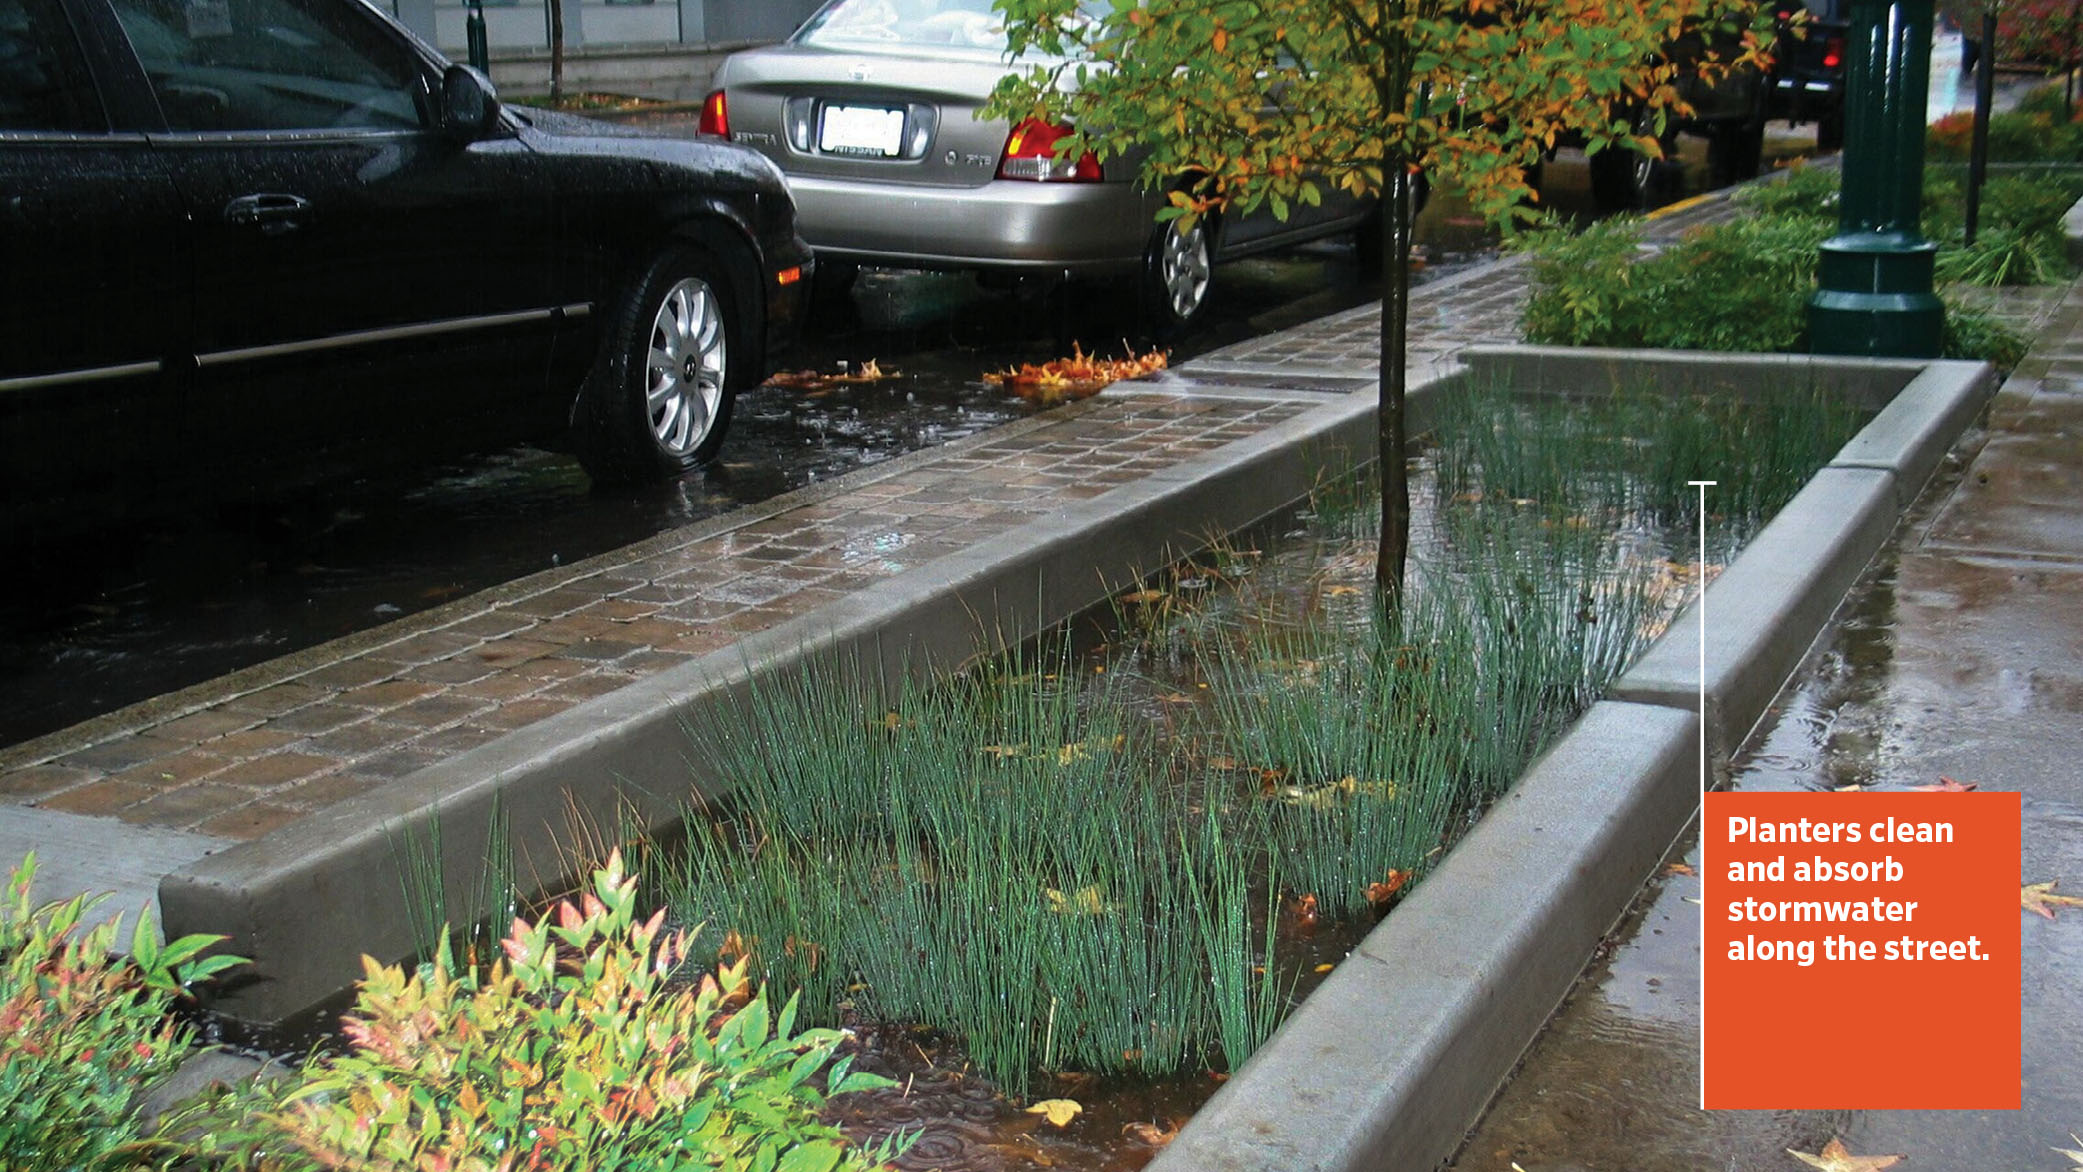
[(1874, 295), (474, 34)]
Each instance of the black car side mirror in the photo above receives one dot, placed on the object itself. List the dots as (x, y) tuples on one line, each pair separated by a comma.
[(469, 106)]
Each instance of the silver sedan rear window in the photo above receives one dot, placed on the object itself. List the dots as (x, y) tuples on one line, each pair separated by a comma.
[(892, 23)]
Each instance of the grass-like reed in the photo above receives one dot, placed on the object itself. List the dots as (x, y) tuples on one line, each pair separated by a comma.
[(989, 856), (470, 933), (1622, 460)]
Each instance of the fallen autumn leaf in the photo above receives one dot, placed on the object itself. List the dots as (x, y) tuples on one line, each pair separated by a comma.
[(1076, 377), (817, 380), (1059, 1112), (1835, 1157), (1383, 892), (1946, 785), (1085, 901), (2040, 897), (1150, 1133)]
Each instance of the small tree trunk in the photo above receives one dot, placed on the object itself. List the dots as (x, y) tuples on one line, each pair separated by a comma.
[(1394, 550), (556, 52)]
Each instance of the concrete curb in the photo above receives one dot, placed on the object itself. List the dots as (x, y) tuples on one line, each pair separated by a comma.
[(1912, 434), (1871, 382), (1387, 1064), (1767, 606), (1395, 1057), (2072, 229), (309, 900)]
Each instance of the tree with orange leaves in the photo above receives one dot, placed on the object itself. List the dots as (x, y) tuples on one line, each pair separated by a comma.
[(1230, 105)]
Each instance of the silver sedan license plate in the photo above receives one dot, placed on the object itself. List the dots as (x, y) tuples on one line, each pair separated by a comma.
[(862, 130)]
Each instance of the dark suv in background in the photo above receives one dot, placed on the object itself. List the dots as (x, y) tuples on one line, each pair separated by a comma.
[(1808, 79), (1804, 84), (251, 241)]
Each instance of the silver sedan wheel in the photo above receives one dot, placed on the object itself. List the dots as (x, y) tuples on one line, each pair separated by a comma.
[(1183, 268), (684, 376)]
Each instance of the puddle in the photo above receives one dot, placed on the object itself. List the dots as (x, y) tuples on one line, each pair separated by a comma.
[(109, 618)]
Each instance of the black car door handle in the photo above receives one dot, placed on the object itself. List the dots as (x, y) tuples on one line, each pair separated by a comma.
[(21, 211), (272, 214)]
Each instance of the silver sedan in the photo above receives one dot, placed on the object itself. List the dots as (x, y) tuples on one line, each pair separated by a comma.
[(871, 112)]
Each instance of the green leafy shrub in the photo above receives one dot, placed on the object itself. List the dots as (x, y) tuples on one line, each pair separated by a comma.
[(1584, 286), (1741, 285), (1744, 285), (83, 1032), (577, 1050), (1801, 191), (2015, 136), (1971, 333)]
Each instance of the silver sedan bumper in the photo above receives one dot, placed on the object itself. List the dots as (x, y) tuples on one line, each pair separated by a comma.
[(1082, 229)]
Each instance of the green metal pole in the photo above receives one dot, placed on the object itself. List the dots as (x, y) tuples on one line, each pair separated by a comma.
[(1874, 295), (474, 35)]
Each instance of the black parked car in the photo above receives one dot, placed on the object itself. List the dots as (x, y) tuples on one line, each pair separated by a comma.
[(244, 240)]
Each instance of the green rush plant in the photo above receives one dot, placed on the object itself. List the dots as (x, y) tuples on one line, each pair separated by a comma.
[(900, 863), (1371, 745), (1623, 459), (473, 929)]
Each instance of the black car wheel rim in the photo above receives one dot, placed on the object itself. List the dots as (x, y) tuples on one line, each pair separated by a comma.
[(1184, 268)]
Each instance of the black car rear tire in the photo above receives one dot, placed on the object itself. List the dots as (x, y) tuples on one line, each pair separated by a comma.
[(659, 399), (1735, 153), (1626, 180), (1829, 131)]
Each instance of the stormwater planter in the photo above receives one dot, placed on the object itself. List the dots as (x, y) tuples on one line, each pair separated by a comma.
[(1391, 1059)]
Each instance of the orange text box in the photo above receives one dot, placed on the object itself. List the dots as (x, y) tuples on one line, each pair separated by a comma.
[(1861, 950)]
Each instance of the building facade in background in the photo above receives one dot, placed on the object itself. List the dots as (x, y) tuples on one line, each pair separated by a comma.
[(649, 48)]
